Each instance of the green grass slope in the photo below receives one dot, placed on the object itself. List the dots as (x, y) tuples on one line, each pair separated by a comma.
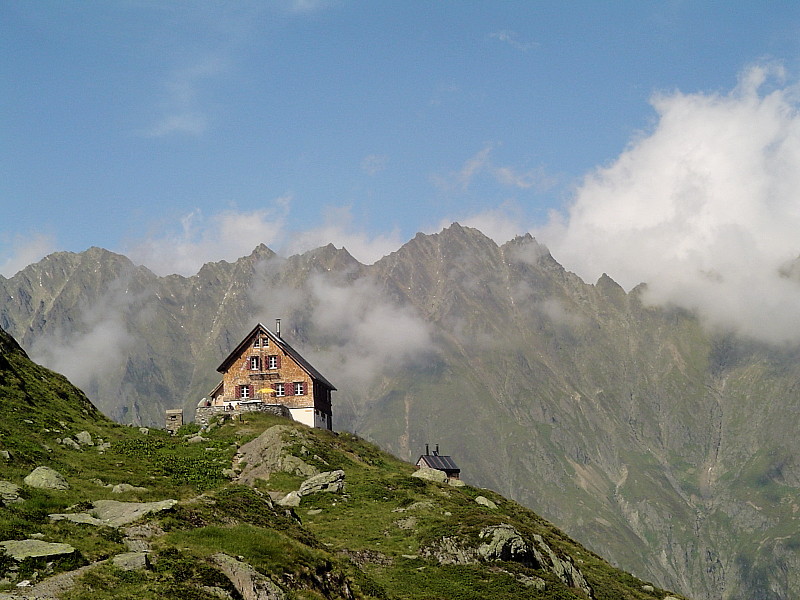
[(386, 535)]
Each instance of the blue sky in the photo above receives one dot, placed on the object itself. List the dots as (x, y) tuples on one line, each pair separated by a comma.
[(181, 132)]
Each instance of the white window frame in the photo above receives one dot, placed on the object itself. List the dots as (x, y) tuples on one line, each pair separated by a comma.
[(255, 363), (244, 391), (280, 390), (272, 362), (300, 385)]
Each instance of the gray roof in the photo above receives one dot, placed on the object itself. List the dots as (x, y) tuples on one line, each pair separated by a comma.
[(439, 462)]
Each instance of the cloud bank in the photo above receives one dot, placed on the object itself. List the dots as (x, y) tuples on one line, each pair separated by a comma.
[(705, 208), (25, 250)]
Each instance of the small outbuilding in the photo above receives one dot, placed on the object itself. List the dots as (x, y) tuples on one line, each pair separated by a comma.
[(439, 462)]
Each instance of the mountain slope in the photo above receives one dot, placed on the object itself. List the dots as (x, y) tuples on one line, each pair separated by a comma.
[(657, 443), (144, 515)]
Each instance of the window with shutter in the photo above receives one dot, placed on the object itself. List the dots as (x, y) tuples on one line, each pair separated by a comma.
[(290, 389)]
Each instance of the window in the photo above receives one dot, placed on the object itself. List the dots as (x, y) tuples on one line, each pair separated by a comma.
[(265, 342), (255, 363), (273, 362), (280, 389), (299, 388), (256, 343), (244, 391), (261, 342)]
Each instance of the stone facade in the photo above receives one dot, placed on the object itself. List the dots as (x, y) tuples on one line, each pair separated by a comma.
[(265, 369), (204, 414)]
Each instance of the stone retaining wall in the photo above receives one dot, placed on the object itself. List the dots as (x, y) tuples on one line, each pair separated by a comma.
[(204, 414)]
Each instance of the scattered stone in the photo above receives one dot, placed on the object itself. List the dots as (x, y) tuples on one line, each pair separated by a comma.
[(429, 474), (124, 488), (9, 493), (455, 482), (84, 438), (70, 443), (47, 479), (329, 481), (115, 514), (407, 523), (291, 499), (19, 550), (131, 561), (648, 588), (144, 430), (82, 518), (250, 584), (484, 501), (5, 454), (229, 473), (196, 439), (532, 581), (314, 511), (504, 543)]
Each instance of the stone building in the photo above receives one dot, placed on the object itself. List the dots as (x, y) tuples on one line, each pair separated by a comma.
[(440, 462), (265, 373)]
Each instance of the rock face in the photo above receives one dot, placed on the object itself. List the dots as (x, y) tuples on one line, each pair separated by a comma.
[(267, 454), (46, 478), (251, 584), (329, 481), (505, 543)]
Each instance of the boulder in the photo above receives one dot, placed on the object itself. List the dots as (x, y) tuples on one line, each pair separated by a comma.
[(329, 481), (124, 488), (484, 501), (130, 561), (19, 550), (84, 438), (47, 479), (5, 454), (82, 518), (292, 499), (455, 482), (250, 584), (70, 443), (9, 493), (430, 474), (115, 514), (503, 542)]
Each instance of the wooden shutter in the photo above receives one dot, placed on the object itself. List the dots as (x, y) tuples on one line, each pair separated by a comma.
[(289, 388), (278, 361), (237, 392), (251, 389)]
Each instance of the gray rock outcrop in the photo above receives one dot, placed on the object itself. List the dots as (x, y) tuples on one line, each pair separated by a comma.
[(267, 454), (429, 474), (9, 493), (19, 550), (329, 481), (484, 501), (46, 478), (251, 584)]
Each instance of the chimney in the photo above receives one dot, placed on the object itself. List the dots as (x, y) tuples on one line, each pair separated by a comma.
[(436, 452), (427, 450), (278, 327)]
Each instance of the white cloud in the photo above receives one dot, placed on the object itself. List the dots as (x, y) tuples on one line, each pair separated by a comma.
[(181, 109), (374, 163), (705, 208), (368, 335), (338, 230), (225, 236), (26, 249), (511, 38), (507, 176)]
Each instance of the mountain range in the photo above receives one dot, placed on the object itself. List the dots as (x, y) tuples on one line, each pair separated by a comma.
[(656, 442)]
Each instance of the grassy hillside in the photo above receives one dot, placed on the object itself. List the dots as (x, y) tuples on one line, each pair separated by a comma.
[(385, 535)]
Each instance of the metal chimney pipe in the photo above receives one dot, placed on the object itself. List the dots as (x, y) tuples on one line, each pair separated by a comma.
[(436, 452), (427, 450), (278, 327)]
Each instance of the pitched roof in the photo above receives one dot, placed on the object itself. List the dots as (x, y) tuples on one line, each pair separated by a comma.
[(437, 461), (283, 345)]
